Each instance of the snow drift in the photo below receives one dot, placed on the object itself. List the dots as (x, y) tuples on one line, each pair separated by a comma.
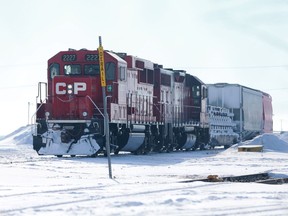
[(22, 135), (270, 142)]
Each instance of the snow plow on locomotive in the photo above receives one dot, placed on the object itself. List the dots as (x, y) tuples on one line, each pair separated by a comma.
[(150, 108)]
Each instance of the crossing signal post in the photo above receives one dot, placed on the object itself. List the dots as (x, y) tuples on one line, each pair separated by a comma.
[(103, 84)]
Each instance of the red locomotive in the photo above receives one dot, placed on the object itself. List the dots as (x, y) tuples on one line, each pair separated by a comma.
[(150, 108)]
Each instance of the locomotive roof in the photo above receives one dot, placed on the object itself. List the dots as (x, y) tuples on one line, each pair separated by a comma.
[(221, 85), (195, 78), (119, 59), (85, 50)]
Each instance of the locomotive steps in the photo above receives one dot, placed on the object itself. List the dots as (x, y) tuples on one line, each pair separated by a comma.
[(264, 178)]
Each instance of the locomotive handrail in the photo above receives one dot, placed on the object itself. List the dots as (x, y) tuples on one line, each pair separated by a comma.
[(95, 105), (33, 116), (40, 92)]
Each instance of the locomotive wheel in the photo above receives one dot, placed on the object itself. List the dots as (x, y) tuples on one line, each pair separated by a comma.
[(94, 155), (59, 156), (202, 146), (226, 146), (139, 151), (213, 143)]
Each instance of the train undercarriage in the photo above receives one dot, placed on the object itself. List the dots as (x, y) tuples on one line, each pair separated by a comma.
[(87, 138)]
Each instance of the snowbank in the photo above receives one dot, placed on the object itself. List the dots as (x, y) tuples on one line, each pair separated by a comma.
[(270, 142), (284, 136), (22, 135)]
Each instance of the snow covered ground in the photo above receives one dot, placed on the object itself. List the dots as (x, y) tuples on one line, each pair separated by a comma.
[(142, 185)]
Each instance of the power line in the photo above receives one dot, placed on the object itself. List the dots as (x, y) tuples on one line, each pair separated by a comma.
[(277, 89), (236, 67)]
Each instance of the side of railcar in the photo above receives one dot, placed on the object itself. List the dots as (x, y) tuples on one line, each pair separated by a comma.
[(246, 104)]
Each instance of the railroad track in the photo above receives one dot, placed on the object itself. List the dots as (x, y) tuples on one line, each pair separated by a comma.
[(257, 178)]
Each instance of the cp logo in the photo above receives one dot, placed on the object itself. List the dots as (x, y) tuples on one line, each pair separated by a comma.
[(63, 88)]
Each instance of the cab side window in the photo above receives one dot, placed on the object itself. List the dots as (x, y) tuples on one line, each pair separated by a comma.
[(110, 69), (54, 70), (122, 71), (196, 91)]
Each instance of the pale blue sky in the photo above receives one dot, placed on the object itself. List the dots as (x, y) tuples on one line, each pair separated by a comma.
[(234, 41)]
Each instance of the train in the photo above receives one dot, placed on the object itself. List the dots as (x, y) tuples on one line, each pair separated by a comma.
[(142, 107)]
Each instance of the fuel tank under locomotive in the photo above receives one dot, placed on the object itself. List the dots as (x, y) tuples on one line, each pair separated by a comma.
[(130, 139), (185, 138)]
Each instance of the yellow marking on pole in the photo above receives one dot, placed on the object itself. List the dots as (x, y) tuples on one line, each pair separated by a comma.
[(102, 66)]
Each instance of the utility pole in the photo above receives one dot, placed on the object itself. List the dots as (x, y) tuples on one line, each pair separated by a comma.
[(28, 113), (106, 119)]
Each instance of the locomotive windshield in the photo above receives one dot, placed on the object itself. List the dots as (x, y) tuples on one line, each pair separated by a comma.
[(89, 69), (92, 69), (72, 69)]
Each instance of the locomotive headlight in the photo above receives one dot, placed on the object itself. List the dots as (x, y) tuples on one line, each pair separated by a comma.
[(47, 114), (84, 114), (70, 89)]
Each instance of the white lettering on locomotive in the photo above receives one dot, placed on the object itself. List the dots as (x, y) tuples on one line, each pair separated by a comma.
[(79, 86), (62, 90), (61, 87)]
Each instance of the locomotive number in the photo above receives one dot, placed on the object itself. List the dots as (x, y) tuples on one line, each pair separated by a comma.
[(91, 57), (68, 57)]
